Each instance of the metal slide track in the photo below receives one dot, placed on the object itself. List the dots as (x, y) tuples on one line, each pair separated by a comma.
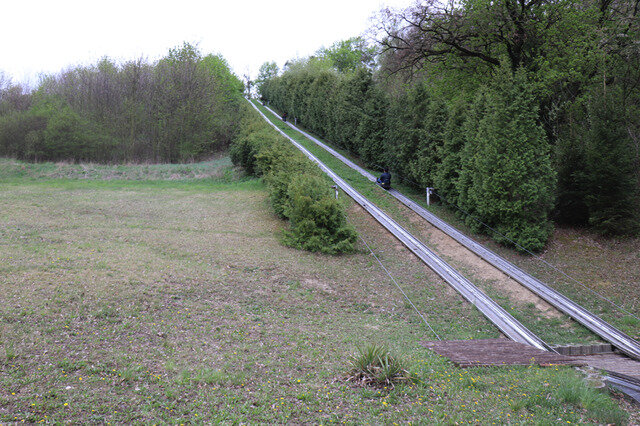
[(496, 314), (617, 338), (625, 384)]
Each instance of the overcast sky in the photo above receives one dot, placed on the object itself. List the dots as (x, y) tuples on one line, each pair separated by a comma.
[(46, 36)]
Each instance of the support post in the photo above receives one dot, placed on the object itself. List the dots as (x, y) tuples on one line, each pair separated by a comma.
[(429, 192)]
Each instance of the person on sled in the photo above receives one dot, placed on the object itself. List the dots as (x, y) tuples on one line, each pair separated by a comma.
[(385, 179)]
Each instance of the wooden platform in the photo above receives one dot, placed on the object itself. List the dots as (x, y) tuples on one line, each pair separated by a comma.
[(613, 362), (491, 352)]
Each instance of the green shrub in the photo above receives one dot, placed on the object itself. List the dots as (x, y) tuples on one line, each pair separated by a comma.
[(278, 163), (317, 219), (298, 190), (244, 150)]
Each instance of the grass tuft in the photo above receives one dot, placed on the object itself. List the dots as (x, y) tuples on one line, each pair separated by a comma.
[(9, 352), (373, 365), (574, 391)]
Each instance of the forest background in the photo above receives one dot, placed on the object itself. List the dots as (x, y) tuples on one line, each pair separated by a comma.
[(180, 108), (519, 113)]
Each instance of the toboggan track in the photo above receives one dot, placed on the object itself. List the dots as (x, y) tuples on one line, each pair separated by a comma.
[(502, 319), (507, 324), (609, 333)]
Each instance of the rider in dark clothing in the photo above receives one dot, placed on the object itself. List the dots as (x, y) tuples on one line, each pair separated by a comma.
[(385, 179)]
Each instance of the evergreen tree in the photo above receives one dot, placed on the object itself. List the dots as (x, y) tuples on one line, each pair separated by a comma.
[(511, 177), (430, 142), (396, 134), (469, 156), (406, 133), (371, 131), (349, 110), (571, 163), (448, 170), (612, 193)]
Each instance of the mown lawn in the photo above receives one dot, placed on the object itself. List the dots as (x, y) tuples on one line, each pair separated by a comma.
[(170, 299)]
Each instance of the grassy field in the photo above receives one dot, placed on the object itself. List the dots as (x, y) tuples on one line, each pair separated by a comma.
[(156, 298), (609, 267)]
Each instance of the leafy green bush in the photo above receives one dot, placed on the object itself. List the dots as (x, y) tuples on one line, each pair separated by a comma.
[(317, 219)]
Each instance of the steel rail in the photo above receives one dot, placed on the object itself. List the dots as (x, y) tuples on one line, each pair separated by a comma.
[(611, 334), (495, 313), (626, 384)]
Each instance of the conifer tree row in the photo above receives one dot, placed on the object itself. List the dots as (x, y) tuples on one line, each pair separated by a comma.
[(494, 161), (520, 129)]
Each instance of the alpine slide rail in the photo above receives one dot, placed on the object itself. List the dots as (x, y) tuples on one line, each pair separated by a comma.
[(506, 323)]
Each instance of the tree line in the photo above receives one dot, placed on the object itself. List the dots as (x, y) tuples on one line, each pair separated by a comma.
[(519, 113), (180, 108)]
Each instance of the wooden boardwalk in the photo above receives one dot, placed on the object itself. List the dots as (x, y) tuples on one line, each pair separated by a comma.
[(492, 352), (496, 352)]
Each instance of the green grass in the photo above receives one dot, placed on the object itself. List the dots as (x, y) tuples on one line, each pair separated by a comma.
[(177, 304), (216, 169)]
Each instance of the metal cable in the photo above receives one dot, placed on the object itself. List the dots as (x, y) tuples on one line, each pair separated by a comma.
[(398, 286), (538, 258)]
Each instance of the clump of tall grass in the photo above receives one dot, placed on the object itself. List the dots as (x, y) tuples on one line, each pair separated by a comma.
[(574, 391), (374, 365)]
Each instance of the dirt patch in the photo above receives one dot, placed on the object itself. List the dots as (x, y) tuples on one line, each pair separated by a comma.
[(318, 285), (464, 259)]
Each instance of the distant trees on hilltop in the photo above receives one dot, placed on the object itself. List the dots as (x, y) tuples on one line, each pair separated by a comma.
[(180, 108)]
